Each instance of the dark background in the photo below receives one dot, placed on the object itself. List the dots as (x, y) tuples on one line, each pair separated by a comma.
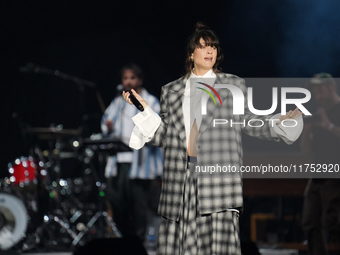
[(93, 39)]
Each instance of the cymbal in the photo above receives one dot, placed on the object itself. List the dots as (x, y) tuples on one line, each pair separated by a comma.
[(47, 133)]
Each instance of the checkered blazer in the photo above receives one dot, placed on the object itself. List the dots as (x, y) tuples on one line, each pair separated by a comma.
[(221, 144)]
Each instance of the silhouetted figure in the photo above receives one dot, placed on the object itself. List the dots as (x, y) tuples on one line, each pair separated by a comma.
[(321, 141)]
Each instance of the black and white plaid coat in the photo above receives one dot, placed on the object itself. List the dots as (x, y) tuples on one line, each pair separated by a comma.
[(221, 144)]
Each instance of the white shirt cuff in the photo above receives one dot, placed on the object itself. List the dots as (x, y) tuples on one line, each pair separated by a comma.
[(289, 131), (146, 124)]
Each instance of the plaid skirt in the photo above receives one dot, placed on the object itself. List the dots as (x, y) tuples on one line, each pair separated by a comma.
[(195, 234)]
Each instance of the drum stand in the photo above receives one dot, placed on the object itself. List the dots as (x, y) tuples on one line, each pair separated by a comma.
[(108, 220), (39, 232), (102, 147), (58, 214), (52, 191)]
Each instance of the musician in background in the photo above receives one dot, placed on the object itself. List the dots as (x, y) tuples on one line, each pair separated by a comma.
[(321, 141), (131, 174)]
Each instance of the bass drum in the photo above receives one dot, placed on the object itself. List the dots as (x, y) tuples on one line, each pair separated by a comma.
[(13, 221)]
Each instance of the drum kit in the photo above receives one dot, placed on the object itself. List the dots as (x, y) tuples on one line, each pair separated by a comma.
[(55, 198)]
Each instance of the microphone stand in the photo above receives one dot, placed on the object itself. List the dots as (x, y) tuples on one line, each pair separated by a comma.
[(58, 217), (81, 83), (30, 67)]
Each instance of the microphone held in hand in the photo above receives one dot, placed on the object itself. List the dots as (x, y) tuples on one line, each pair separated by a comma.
[(135, 101)]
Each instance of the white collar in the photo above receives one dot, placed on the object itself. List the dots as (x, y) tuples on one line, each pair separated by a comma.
[(209, 74)]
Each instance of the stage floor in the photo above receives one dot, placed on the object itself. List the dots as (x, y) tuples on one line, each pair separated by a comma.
[(68, 253), (50, 253)]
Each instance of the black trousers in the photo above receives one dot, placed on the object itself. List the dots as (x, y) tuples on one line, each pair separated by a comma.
[(130, 202)]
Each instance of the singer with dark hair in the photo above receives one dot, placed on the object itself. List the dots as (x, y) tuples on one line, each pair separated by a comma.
[(131, 174), (200, 213)]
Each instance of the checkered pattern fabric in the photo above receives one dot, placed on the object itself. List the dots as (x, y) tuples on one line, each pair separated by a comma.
[(215, 145), (195, 234)]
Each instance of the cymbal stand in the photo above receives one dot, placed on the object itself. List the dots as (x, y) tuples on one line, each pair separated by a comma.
[(101, 213), (39, 232), (93, 220), (55, 205)]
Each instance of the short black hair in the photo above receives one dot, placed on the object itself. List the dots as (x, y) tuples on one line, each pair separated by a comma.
[(136, 69)]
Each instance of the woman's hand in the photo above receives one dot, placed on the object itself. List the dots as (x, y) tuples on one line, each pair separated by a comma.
[(126, 96), (291, 115)]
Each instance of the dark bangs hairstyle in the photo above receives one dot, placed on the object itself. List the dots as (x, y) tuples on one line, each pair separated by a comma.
[(210, 39)]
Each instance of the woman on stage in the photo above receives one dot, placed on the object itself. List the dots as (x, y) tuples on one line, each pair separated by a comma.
[(200, 213)]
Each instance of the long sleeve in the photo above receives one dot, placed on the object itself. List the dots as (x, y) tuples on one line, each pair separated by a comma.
[(110, 114), (146, 124), (290, 131), (154, 132)]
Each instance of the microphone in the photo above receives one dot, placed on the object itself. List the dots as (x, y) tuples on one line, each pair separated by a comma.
[(119, 89), (135, 101)]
